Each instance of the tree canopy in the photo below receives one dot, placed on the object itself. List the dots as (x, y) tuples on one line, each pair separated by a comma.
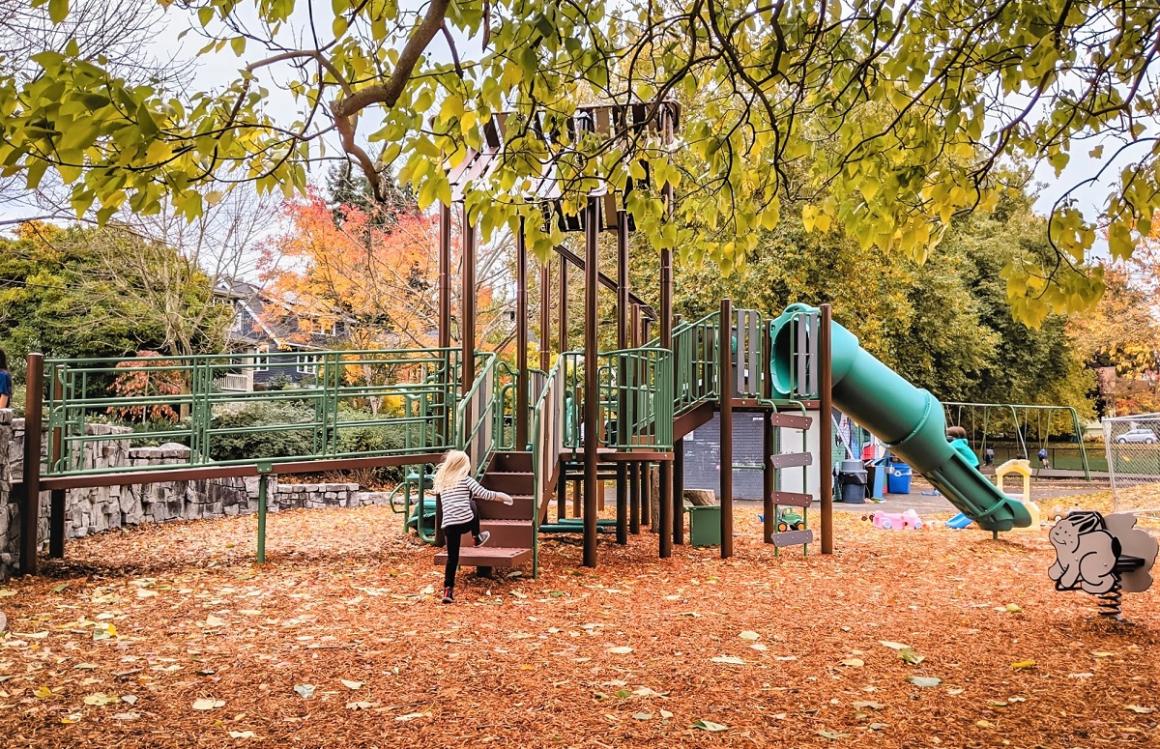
[(944, 324), (84, 292), (889, 118)]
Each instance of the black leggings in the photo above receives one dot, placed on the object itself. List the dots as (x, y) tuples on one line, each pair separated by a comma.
[(453, 534)]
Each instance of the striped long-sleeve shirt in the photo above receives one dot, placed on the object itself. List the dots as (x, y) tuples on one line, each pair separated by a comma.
[(456, 501)]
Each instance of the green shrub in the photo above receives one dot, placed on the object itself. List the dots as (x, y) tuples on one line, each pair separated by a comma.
[(372, 439), (269, 444)]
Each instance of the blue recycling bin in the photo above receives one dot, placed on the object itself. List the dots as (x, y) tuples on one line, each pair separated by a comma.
[(898, 477), (876, 473)]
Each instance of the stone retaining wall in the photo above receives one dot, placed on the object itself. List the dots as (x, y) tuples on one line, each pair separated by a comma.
[(105, 508), (9, 520)]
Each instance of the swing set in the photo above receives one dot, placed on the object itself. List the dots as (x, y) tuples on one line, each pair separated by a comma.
[(998, 418)]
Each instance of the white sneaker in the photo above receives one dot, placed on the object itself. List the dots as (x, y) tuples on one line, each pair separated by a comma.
[(483, 537)]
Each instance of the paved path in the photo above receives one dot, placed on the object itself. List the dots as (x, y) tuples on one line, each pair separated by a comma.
[(924, 501)]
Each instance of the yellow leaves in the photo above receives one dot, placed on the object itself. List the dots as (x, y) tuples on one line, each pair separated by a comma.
[(1121, 243), (1058, 159), (57, 10), (816, 217), (453, 106), (869, 188)]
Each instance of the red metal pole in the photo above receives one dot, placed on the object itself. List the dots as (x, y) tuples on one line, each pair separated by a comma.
[(563, 306), (445, 314), (768, 442), (445, 276)]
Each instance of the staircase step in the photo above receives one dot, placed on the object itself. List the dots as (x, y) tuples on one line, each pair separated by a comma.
[(511, 461), (488, 556), (504, 533), (520, 509), (509, 481)]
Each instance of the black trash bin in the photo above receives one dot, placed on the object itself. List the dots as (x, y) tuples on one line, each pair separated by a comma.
[(852, 481)]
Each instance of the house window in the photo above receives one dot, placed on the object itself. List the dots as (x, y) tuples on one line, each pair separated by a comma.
[(261, 359), (307, 363)]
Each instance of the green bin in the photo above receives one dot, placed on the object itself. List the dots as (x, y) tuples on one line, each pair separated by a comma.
[(705, 525)]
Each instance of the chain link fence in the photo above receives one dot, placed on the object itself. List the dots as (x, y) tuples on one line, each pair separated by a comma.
[(1132, 445)]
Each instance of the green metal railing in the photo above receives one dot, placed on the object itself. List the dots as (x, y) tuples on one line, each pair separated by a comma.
[(695, 360), (507, 385), (635, 393), (409, 392), (478, 413)]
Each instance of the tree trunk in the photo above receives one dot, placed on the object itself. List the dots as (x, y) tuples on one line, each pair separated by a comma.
[(700, 497)]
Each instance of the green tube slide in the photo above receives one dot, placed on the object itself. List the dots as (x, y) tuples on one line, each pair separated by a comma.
[(908, 419)]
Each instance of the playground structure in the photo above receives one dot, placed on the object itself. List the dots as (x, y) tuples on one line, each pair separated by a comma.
[(587, 416)]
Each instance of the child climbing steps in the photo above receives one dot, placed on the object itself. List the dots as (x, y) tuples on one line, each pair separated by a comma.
[(459, 495)]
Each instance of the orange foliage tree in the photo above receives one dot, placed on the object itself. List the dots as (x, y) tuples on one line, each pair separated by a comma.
[(1121, 335), (375, 278), (372, 272), (142, 377)]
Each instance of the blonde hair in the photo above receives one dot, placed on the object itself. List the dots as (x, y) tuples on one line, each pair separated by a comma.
[(454, 468)]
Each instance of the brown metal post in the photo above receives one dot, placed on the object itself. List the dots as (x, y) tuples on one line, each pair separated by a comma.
[(622, 342), (445, 307), (665, 521), (545, 318), (561, 497), (634, 469), (57, 496), (679, 492), (521, 340), (468, 306), (645, 478), (445, 276), (725, 396), (30, 507), (591, 396), (563, 306), (825, 430)]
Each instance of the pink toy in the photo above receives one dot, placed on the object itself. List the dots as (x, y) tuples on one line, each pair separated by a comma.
[(897, 521)]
